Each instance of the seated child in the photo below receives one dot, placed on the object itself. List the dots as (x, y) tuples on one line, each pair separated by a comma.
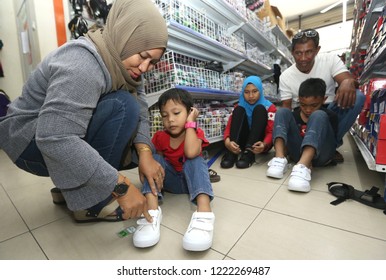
[(179, 149), (249, 128), (308, 135)]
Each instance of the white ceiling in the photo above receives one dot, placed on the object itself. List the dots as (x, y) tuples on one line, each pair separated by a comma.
[(291, 9)]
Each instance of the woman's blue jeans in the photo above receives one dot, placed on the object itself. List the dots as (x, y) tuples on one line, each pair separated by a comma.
[(114, 121), (319, 135), (193, 180)]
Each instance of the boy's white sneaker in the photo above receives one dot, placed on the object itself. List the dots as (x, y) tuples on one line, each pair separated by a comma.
[(199, 235), (300, 179), (277, 167), (148, 234)]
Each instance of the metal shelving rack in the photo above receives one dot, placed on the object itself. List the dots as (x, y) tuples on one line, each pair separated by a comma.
[(361, 40)]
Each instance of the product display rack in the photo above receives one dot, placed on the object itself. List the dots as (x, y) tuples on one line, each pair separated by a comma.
[(233, 20), (221, 31), (368, 51), (366, 14)]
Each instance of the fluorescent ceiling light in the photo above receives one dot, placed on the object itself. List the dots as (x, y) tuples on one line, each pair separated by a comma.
[(333, 6)]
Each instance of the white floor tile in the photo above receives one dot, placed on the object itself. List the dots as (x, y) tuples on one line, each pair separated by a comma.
[(256, 218)]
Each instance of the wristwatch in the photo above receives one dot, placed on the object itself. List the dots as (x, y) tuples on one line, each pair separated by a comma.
[(120, 189), (191, 125)]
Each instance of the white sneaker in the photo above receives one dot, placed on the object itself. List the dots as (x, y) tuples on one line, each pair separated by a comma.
[(199, 235), (148, 234), (277, 167), (300, 179)]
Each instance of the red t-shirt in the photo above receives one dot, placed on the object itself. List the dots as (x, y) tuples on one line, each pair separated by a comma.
[(175, 157)]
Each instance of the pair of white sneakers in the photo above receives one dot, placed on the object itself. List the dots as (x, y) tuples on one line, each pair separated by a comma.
[(198, 236), (300, 176)]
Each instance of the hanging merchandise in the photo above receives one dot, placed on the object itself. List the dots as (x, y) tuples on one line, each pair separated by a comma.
[(99, 9), (77, 6), (78, 26), (254, 5)]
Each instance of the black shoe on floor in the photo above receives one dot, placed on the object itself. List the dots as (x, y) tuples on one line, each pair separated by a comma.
[(228, 160), (246, 160)]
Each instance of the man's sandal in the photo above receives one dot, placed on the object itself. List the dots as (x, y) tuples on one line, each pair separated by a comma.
[(105, 211), (214, 177), (338, 157), (369, 197)]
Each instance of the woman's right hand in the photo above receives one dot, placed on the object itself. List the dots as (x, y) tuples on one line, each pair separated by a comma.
[(133, 203)]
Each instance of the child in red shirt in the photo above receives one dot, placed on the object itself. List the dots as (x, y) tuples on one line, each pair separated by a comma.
[(179, 148)]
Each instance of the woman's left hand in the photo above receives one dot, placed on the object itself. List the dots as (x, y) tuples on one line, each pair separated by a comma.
[(152, 170)]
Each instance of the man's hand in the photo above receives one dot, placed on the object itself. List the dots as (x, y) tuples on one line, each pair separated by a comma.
[(287, 104), (345, 95)]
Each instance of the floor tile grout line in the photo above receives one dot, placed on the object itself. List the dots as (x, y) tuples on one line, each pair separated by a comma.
[(326, 225)]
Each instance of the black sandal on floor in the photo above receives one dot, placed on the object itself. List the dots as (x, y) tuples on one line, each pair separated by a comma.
[(369, 197)]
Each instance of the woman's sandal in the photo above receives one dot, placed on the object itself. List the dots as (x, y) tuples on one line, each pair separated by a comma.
[(57, 196), (105, 211), (214, 177)]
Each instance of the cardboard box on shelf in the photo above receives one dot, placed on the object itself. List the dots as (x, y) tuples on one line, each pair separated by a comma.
[(272, 15), (380, 157)]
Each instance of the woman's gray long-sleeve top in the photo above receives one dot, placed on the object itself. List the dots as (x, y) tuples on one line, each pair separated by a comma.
[(56, 106)]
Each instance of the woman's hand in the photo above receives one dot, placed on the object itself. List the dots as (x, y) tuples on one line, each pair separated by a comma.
[(134, 204), (152, 170)]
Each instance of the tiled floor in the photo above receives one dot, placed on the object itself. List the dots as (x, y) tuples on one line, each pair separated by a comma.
[(256, 218)]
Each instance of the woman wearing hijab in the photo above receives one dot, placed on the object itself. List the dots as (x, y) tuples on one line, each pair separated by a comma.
[(249, 128), (83, 108)]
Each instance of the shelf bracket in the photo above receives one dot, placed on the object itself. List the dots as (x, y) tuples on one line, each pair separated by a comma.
[(233, 29), (233, 64)]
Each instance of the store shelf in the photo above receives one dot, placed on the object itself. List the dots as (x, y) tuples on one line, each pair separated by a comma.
[(367, 156), (375, 10), (280, 34), (222, 12), (197, 93), (376, 66), (191, 43)]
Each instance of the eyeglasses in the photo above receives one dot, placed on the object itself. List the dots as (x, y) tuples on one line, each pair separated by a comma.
[(308, 34)]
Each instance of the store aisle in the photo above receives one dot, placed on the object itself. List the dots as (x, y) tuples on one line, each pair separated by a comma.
[(256, 218)]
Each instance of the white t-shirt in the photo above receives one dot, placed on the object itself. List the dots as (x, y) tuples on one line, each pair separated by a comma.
[(326, 67)]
